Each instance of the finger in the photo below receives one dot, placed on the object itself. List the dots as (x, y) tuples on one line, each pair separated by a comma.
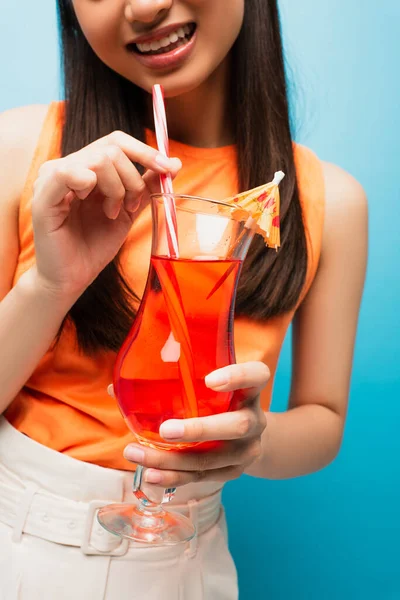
[(245, 422), (69, 198), (152, 179), (132, 201), (59, 178), (167, 479), (110, 390), (129, 176), (251, 377), (109, 183), (140, 152), (230, 453)]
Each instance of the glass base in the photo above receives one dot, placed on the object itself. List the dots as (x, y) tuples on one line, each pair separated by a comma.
[(154, 526)]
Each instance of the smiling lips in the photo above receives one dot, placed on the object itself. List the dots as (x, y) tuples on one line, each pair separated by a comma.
[(167, 48), (171, 41)]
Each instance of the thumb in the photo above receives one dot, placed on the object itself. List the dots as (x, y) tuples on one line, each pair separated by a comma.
[(152, 179)]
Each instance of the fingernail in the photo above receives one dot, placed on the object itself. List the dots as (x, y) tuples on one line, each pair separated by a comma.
[(177, 163), (172, 430), (217, 379), (152, 476), (132, 202), (164, 162), (134, 454), (114, 212)]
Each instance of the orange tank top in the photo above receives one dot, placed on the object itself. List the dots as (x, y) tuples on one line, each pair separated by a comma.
[(64, 405)]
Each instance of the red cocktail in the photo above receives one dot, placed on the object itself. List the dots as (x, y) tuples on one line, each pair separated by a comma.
[(152, 390), (183, 332)]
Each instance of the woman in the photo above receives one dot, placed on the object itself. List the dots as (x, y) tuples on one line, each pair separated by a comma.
[(74, 247)]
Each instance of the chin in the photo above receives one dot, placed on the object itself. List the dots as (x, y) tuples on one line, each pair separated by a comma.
[(179, 88), (176, 83)]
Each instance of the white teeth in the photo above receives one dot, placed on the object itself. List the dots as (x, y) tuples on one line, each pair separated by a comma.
[(146, 47), (172, 38)]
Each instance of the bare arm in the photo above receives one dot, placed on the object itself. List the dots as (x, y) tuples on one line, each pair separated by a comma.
[(308, 436), (29, 317)]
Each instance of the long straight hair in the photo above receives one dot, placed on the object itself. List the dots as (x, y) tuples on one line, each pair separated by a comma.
[(98, 101)]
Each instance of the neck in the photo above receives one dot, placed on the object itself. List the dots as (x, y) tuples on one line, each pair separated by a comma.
[(201, 117)]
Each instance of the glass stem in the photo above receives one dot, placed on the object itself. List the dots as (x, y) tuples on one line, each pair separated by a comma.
[(142, 496)]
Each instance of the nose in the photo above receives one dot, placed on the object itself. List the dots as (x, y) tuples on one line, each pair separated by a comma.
[(146, 11)]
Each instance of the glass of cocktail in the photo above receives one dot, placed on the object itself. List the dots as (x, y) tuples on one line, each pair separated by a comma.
[(183, 331)]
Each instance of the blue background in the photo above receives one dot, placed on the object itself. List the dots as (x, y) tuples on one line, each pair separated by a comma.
[(334, 534)]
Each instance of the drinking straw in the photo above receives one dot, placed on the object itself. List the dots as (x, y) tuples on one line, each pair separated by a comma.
[(160, 121), (221, 280), (170, 288)]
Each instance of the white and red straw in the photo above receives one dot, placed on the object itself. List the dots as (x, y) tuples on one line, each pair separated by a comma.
[(160, 121)]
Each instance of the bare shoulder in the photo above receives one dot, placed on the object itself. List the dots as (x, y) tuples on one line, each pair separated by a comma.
[(20, 127), (19, 133), (346, 214), (342, 190)]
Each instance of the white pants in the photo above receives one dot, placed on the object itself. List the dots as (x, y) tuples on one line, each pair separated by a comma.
[(51, 547)]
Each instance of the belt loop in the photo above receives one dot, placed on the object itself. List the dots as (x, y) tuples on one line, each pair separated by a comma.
[(191, 550), (23, 511)]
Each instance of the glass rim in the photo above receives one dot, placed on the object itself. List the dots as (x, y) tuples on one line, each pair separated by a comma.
[(189, 197)]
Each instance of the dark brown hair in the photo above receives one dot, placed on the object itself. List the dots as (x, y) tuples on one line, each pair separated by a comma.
[(98, 101)]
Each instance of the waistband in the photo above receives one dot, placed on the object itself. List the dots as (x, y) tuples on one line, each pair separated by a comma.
[(55, 497)]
